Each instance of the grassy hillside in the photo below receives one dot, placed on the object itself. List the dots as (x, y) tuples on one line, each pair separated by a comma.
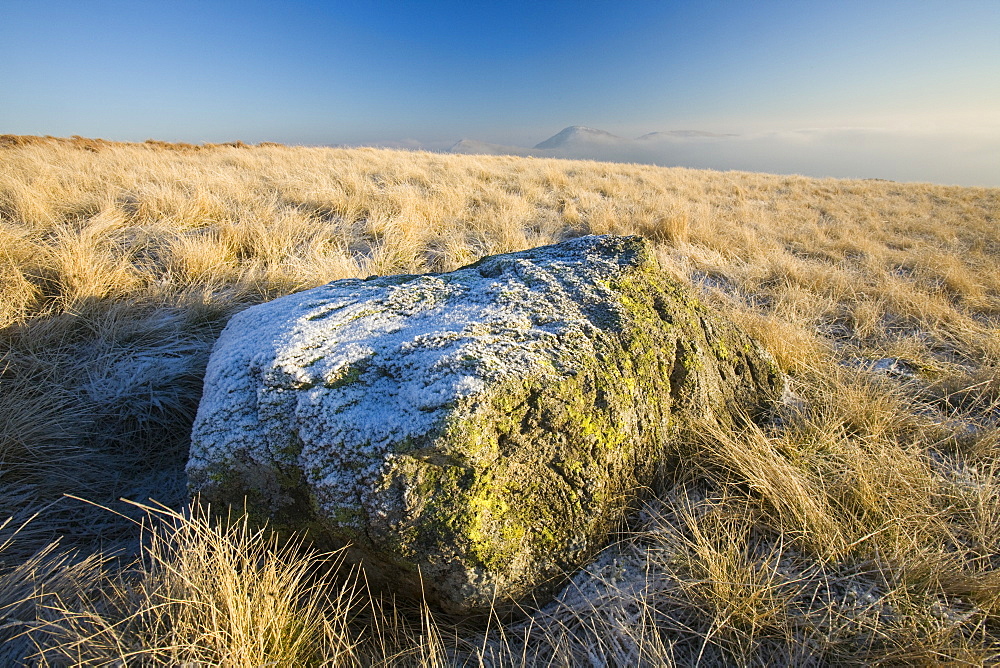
[(861, 524)]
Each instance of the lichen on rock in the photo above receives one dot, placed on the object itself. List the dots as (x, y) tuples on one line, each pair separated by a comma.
[(474, 435)]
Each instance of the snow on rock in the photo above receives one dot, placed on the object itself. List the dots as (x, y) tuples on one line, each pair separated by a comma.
[(473, 435)]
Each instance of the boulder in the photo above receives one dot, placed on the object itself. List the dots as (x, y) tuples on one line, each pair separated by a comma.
[(476, 435)]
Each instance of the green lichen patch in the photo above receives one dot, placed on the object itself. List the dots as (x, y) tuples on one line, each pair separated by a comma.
[(347, 374)]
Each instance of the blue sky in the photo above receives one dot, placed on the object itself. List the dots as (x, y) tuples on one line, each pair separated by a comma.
[(509, 73)]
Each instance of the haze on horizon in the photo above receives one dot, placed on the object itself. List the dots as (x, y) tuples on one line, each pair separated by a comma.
[(877, 89)]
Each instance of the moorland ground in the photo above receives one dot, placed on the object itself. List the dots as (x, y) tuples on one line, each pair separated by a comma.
[(859, 524)]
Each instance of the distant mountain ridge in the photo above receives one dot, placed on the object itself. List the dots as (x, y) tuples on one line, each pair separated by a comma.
[(586, 143), (841, 152), (474, 147), (673, 134)]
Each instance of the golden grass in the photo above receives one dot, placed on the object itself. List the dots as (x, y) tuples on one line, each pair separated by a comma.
[(861, 524), (209, 594)]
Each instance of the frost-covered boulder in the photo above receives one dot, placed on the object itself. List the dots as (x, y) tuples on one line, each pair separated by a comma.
[(473, 435)]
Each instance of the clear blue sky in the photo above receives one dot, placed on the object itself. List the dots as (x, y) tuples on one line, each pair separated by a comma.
[(505, 72)]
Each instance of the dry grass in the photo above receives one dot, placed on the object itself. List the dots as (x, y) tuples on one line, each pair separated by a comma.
[(861, 524), (207, 594)]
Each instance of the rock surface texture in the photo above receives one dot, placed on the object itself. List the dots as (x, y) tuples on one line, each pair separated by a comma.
[(477, 434)]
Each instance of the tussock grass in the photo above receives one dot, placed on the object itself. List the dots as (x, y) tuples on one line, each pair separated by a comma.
[(859, 524), (208, 594)]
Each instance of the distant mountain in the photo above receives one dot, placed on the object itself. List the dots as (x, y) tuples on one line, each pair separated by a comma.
[(575, 141), (579, 134)]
